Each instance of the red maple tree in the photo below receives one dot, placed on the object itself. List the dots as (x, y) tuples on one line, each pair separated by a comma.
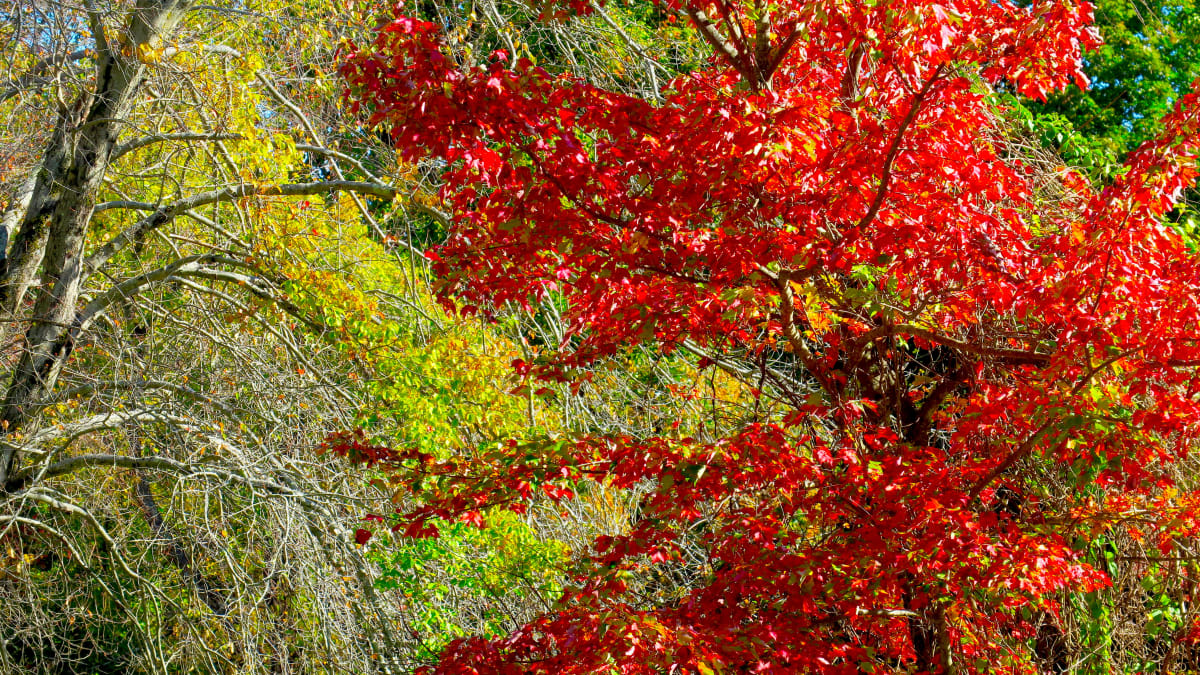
[(834, 191)]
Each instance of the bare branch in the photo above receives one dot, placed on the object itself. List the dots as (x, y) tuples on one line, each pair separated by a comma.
[(33, 75), (130, 146), (167, 212)]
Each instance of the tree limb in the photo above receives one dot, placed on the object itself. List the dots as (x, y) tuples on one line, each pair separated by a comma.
[(167, 212)]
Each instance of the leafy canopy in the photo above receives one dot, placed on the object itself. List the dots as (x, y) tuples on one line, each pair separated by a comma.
[(976, 377)]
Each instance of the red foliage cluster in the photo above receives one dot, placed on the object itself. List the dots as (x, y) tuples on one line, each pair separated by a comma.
[(834, 188)]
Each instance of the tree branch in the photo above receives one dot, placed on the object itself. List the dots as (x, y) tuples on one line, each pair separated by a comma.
[(15, 86), (144, 141), (888, 162), (166, 213), (1012, 356)]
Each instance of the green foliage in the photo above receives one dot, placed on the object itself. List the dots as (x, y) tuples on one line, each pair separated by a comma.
[(1150, 56), (493, 570)]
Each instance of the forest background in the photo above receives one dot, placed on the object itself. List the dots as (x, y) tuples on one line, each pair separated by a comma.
[(214, 268)]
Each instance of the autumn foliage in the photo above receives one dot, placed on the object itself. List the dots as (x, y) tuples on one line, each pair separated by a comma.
[(985, 367)]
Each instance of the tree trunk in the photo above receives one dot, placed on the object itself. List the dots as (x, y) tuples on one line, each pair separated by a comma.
[(53, 328)]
